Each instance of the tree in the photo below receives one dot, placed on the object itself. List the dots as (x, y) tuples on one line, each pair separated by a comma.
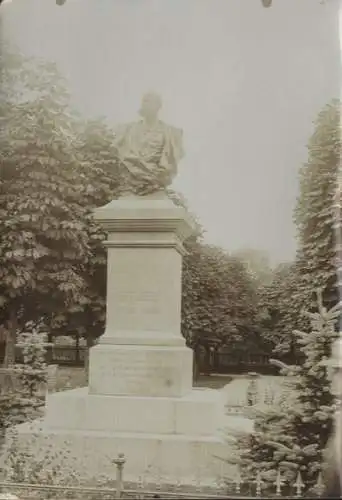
[(257, 264), (21, 400), (218, 305), (55, 168), (95, 153), (278, 313), (293, 435), (43, 227), (314, 213), (291, 291)]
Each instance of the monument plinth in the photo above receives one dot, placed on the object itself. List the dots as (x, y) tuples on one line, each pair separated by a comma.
[(142, 351)]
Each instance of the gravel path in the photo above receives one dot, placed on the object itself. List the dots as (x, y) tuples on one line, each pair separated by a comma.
[(269, 387)]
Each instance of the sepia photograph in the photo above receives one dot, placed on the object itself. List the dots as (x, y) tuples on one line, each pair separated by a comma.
[(170, 249)]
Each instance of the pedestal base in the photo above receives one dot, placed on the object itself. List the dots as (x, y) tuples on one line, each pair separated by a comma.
[(154, 458), (199, 413), (179, 439)]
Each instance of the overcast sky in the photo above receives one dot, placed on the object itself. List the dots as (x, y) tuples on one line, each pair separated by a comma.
[(244, 83)]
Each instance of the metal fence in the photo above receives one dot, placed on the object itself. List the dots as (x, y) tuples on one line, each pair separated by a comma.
[(220, 362), (164, 488), (57, 354)]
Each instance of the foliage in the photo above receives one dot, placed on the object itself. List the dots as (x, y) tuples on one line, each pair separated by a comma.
[(32, 373), (292, 435), (278, 313), (37, 461), (210, 279), (21, 463), (56, 168), (314, 214), (22, 400), (283, 302), (43, 227), (257, 264), (219, 299), (96, 154)]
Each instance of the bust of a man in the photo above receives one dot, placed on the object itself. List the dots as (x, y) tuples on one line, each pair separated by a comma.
[(148, 150)]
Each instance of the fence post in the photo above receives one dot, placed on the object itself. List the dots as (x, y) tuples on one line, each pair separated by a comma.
[(319, 486), (279, 484), (258, 483), (252, 389), (86, 362), (119, 462), (299, 485)]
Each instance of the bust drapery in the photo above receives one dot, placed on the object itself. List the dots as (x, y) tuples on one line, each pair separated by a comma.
[(148, 153)]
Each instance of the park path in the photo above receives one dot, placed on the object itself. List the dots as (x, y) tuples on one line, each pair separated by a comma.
[(235, 392)]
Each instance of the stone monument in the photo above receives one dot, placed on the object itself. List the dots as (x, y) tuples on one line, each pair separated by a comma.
[(140, 400)]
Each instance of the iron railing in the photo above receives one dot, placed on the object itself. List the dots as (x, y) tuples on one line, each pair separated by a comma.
[(237, 488)]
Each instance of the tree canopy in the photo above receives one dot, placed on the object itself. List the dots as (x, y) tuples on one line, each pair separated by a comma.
[(55, 168), (44, 243), (219, 301), (291, 292), (314, 214)]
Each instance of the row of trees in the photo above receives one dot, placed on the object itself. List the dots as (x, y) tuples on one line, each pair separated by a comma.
[(55, 168), (292, 290), (293, 435)]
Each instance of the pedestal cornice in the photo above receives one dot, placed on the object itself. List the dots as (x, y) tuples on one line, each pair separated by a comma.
[(145, 215)]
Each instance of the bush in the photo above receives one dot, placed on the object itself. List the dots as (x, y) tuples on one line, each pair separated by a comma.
[(291, 436), (22, 400)]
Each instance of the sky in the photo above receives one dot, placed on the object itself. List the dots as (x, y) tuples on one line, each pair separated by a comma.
[(243, 82)]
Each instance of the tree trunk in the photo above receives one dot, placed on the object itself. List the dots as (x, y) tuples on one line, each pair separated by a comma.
[(77, 347), (90, 343), (207, 360), (214, 359), (195, 365), (11, 339)]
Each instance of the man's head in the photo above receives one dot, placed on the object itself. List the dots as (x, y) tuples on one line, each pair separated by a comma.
[(150, 105)]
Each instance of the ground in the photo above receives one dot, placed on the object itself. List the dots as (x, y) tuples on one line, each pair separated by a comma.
[(270, 389)]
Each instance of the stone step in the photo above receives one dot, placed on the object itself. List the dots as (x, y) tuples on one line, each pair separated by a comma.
[(198, 413), (90, 454)]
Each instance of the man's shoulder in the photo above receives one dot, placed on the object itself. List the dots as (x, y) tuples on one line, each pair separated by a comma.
[(172, 129)]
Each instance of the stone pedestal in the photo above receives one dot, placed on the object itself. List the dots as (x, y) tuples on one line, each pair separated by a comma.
[(140, 399)]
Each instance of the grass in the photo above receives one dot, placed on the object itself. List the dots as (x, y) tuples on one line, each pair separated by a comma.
[(70, 378), (213, 381)]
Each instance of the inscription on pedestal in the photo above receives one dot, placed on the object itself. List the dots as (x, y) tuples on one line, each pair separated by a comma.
[(136, 306), (138, 302), (132, 377), (136, 372)]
